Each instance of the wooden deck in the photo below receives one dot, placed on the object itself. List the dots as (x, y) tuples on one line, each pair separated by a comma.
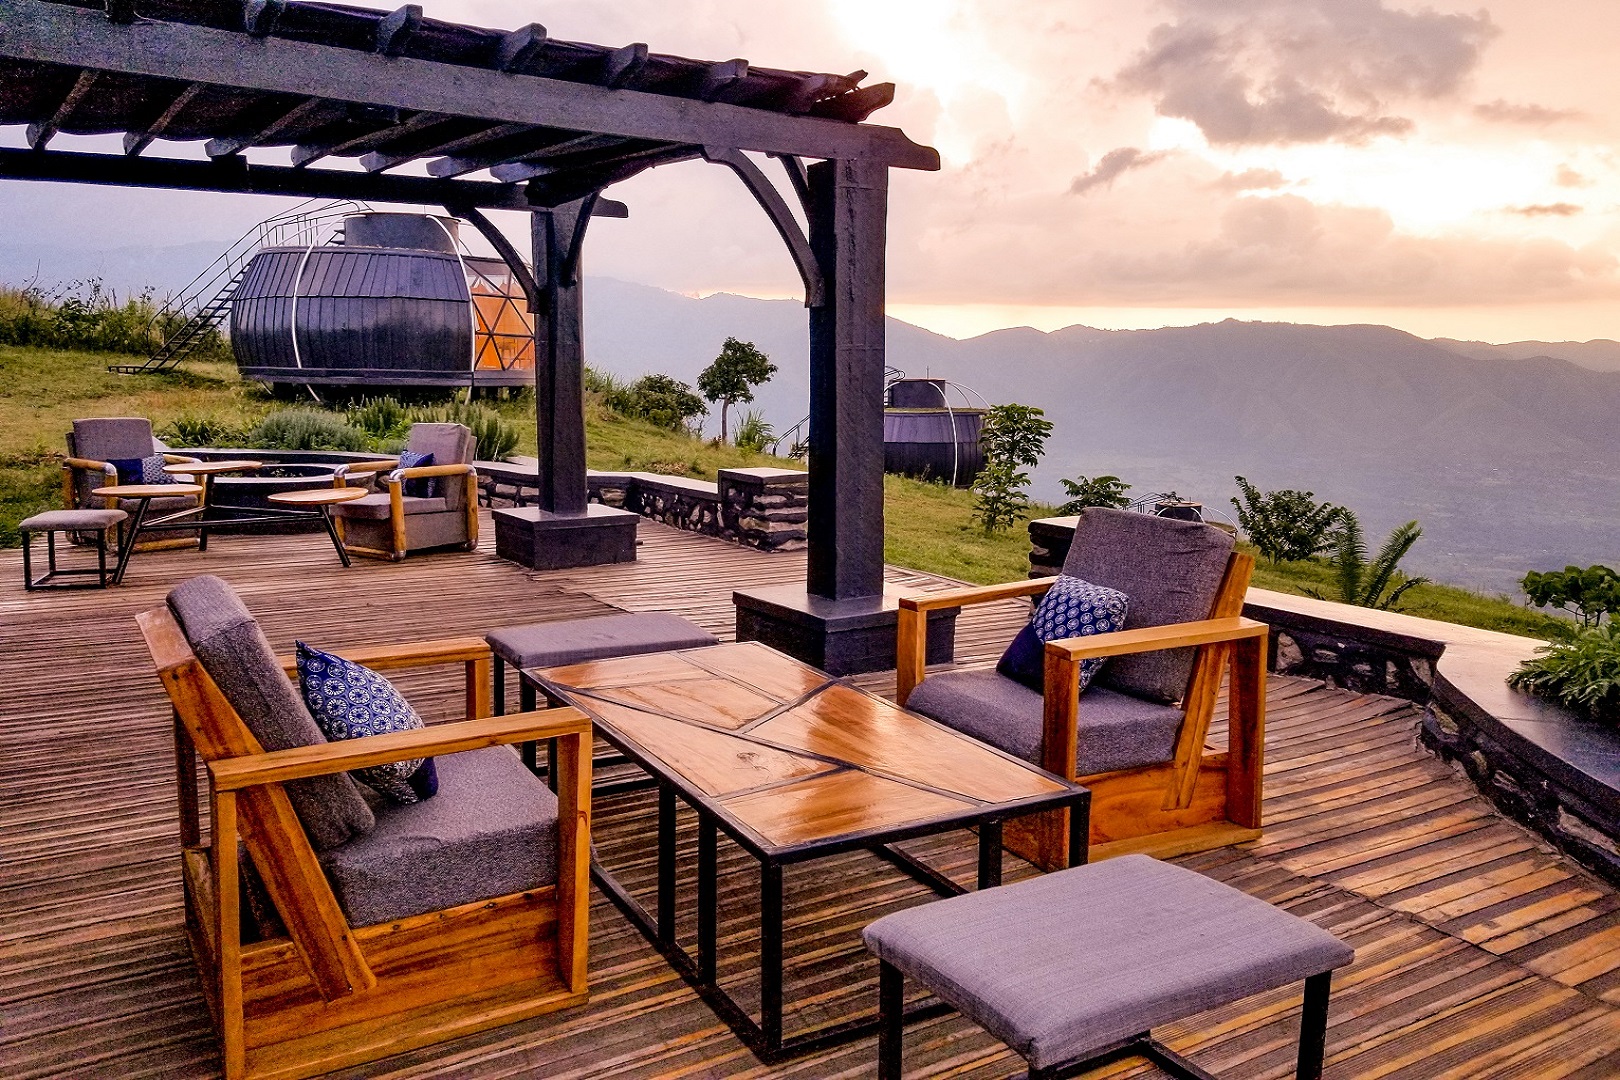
[(1479, 952)]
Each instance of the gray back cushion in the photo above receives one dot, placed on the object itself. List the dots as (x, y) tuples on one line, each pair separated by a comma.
[(236, 654), (450, 444), (1170, 569), (108, 437)]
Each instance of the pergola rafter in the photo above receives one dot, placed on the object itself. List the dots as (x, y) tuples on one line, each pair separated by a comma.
[(554, 123)]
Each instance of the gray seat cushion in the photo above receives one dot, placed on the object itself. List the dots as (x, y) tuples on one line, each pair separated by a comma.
[(1171, 570), (57, 520), (1116, 731), (234, 651), (491, 830), (574, 641), (376, 507), (1060, 966)]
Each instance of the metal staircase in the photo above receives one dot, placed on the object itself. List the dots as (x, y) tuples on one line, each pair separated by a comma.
[(199, 309)]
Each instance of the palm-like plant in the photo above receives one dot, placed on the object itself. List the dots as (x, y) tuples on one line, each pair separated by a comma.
[(1379, 583)]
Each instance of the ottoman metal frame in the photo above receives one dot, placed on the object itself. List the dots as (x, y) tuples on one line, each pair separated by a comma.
[(100, 572)]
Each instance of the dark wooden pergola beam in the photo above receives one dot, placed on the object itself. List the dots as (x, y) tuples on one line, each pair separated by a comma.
[(136, 141), (40, 134), (776, 208), (235, 144), (396, 29), (74, 37), (305, 153), (237, 175), (376, 162), (516, 172), (259, 17), (621, 66), (518, 48), (722, 77), (460, 166)]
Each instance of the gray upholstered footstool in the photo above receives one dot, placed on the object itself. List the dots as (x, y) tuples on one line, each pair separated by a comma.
[(1076, 968), (97, 523)]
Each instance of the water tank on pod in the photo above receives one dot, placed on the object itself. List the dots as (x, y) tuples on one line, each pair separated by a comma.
[(931, 431)]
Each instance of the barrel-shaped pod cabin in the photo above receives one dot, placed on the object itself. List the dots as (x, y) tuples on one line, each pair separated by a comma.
[(926, 436), (396, 303)]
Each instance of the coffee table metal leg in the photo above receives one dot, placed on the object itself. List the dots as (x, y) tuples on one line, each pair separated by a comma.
[(1080, 831), (708, 898), (127, 548), (666, 862), (770, 955), (989, 854), (331, 530)]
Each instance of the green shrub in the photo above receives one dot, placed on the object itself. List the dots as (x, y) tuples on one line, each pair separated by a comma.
[(307, 429), (1105, 491), (1013, 437), (202, 431), (1287, 525), (496, 437), (382, 418), (1376, 584), (753, 433), (661, 400), (1582, 674), (1589, 593), (86, 315)]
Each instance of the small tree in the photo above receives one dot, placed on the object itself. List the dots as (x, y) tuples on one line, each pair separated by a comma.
[(1013, 438), (664, 401), (732, 377), (1589, 593), (1287, 525), (1379, 583), (1104, 491)]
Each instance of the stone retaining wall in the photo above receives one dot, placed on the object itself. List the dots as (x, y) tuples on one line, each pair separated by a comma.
[(762, 508)]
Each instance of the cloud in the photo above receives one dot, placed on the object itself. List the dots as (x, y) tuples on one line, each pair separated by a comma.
[(1557, 209), (1529, 115), (1249, 180), (1111, 165), (1568, 177), (1301, 71)]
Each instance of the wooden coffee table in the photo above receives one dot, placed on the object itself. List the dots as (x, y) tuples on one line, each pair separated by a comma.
[(143, 494), (320, 501), (793, 765)]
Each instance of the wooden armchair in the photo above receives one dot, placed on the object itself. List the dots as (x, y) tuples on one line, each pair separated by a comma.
[(391, 523), (93, 445), (1155, 786), (300, 989)]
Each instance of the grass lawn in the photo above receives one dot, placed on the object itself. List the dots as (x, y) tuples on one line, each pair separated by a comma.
[(928, 526)]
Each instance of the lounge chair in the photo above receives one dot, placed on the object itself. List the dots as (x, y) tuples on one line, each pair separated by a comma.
[(429, 506), (94, 445)]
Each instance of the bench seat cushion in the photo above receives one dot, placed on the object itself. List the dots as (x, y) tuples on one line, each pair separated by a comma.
[(1116, 731), (376, 507), (59, 520), (574, 641), (1060, 966), (491, 830)]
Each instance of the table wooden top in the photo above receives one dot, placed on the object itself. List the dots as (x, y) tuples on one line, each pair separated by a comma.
[(209, 468), (146, 491), (787, 752), (319, 496)]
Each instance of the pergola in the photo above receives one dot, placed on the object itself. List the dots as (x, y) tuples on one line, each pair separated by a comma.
[(552, 123)]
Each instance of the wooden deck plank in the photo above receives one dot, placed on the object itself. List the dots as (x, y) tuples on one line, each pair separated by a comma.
[(1480, 951)]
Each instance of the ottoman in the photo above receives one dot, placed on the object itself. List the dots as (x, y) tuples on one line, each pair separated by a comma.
[(574, 641), (97, 523), (1075, 969)]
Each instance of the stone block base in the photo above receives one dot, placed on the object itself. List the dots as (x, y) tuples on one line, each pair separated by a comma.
[(542, 540), (841, 637)]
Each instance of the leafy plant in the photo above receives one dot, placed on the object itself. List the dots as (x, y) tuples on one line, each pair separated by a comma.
[(1287, 525), (496, 436), (193, 431), (1376, 584), (732, 377), (1582, 674), (1105, 491), (1013, 438), (1590, 592), (381, 418), (307, 429), (753, 433), (661, 400)]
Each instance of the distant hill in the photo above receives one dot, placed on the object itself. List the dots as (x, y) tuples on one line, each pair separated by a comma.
[(1600, 354), (1508, 456)]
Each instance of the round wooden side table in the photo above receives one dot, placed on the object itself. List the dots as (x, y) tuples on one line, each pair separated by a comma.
[(321, 501)]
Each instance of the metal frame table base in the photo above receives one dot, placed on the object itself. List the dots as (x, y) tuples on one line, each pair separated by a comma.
[(765, 1037)]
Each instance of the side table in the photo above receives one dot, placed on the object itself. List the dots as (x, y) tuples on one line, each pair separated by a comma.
[(321, 501)]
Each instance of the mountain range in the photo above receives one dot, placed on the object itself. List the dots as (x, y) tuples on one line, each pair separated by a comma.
[(1508, 455)]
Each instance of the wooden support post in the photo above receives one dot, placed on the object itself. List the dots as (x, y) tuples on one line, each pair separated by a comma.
[(849, 201), (559, 357)]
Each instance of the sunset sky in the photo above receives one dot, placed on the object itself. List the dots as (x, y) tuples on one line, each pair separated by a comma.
[(1447, 168)]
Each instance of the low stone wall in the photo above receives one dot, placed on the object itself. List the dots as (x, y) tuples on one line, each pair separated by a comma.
[(762, 508)]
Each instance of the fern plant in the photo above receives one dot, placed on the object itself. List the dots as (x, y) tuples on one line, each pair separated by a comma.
[(1582, 674), (1378, 583), (496, 438), (753, 432)]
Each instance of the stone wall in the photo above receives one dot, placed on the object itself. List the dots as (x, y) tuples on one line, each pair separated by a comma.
[(762, 508)]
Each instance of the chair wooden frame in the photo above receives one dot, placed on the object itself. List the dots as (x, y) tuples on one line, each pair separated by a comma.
[(1198, 800), (328, 995), (395, 483), (72, 466)]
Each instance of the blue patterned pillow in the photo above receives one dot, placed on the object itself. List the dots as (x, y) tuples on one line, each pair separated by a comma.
[(349, 701), (152, 471), (1072, 607), (422, 486)]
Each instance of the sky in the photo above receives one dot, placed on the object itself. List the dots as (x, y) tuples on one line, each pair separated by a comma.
[(1446, 168)]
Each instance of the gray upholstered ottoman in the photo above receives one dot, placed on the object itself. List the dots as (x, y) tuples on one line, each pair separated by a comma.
[(1076, 968), (97, 523)]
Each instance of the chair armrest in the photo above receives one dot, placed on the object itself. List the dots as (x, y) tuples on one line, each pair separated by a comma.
[(91, 464), (324, 759), (365, 468), (1154, 638), (976, 594), (181, 459), (422, 471), (455, 650)]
